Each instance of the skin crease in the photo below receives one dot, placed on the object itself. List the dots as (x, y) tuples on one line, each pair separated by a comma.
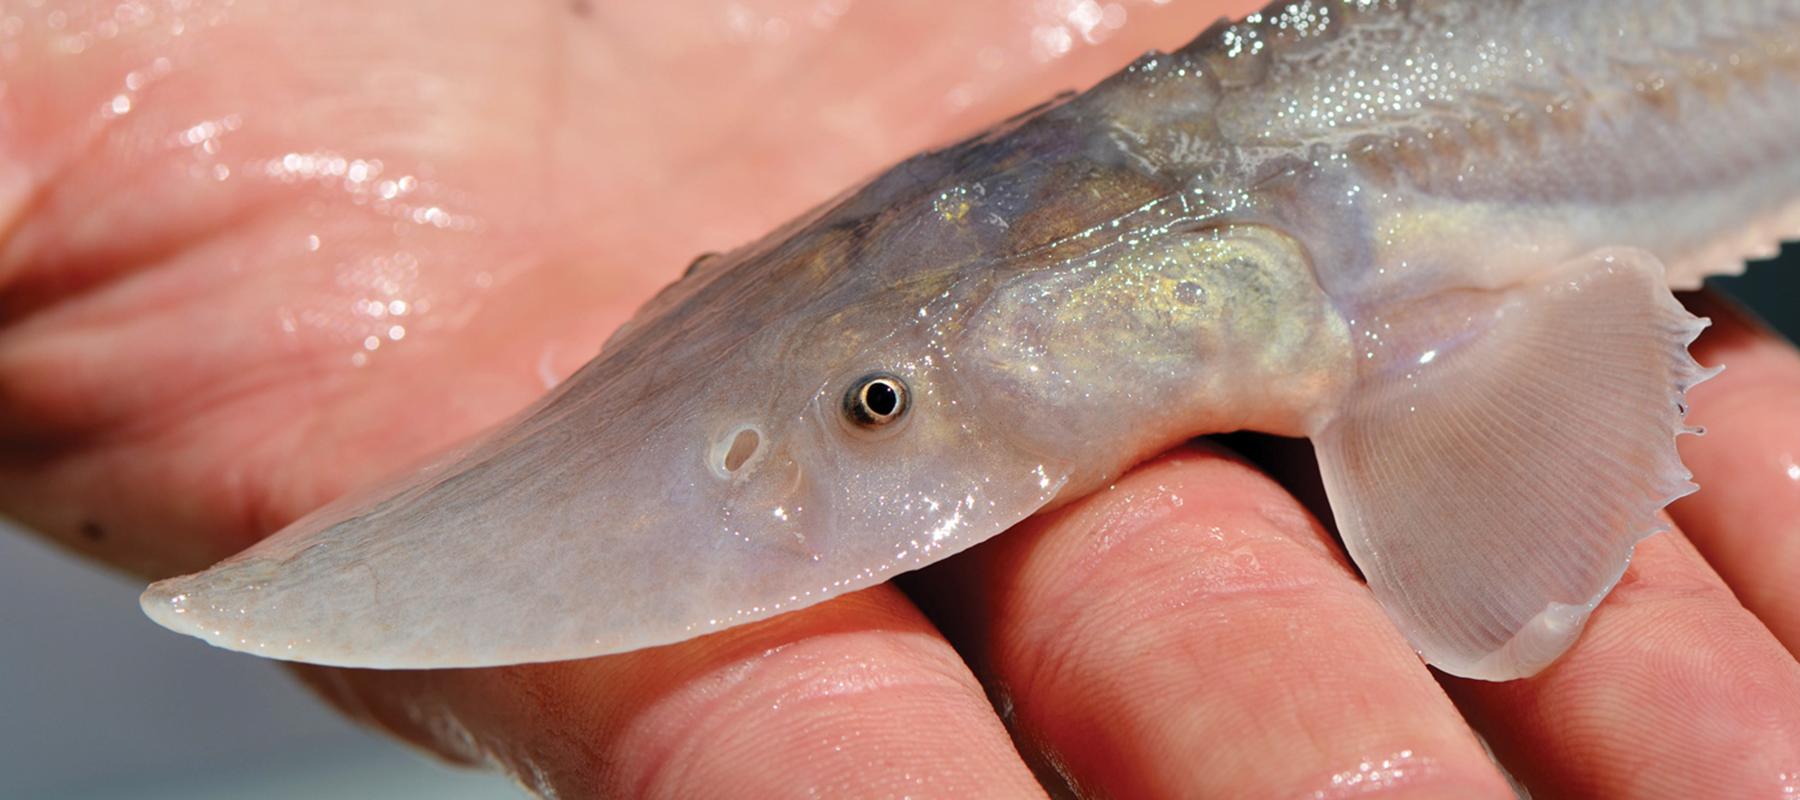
[(182, 371)]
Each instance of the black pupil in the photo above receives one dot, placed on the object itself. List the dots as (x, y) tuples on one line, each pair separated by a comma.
[(881, 398)]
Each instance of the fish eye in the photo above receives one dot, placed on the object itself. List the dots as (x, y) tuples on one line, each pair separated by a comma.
[(875, 400)]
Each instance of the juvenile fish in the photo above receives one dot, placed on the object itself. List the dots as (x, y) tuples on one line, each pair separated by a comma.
[(1437, 238)]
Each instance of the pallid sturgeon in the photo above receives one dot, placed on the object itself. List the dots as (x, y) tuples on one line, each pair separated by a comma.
[(1437, 238)]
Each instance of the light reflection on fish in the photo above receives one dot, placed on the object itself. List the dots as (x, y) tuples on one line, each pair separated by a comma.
[(1435, 238)]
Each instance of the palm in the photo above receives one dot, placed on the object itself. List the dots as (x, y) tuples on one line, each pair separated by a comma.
[(316, 243), (486, 195)]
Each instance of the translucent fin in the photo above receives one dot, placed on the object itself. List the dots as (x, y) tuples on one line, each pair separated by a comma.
[(1504, 451)]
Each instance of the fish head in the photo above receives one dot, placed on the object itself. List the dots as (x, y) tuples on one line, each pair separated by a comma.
[(787, 424)]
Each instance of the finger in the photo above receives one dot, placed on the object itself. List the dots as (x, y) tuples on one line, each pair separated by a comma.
[(1674, 690), (1193, 632), (858, 697), (1746, 517)]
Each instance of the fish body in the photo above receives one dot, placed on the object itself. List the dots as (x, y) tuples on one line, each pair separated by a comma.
[(1436, 238)]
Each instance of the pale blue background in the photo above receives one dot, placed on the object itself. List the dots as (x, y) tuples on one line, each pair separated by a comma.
[(97, 702)]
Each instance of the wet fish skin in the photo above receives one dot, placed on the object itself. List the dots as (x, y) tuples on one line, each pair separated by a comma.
[(1279, 227)]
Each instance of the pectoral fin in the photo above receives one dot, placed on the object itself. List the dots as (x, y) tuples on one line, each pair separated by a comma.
[(1503, 451)]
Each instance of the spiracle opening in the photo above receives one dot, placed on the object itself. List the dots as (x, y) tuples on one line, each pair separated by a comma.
[(735, 451)]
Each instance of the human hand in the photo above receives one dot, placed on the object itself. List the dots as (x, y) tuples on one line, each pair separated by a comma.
[(217, 312)]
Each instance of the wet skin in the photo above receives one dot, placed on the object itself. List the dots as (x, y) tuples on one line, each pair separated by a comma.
[(179, 375)]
